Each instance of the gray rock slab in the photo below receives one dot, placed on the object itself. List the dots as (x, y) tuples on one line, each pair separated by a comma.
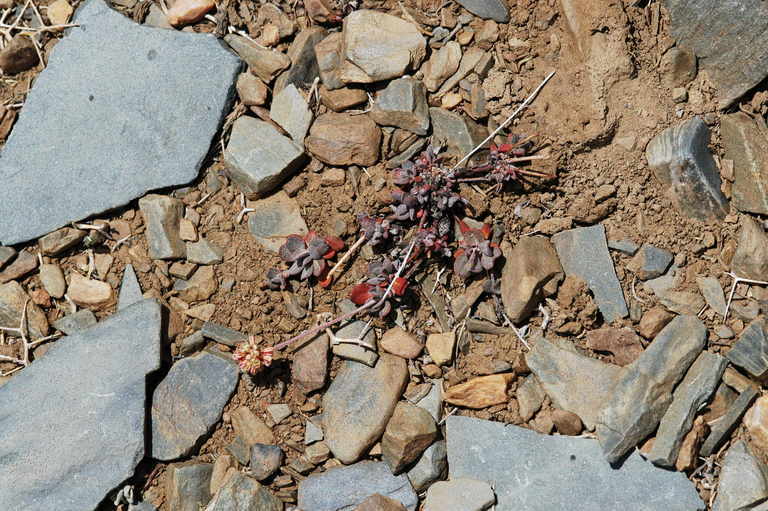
[(258, 157), (403, 104), (204, 252), (359, 403), (495, 10), (354, 351), (162, 216), (750, 352), (713, 293), (130, 290), (313, 431), (188, 485), (433, 401), (73, 422), (118, 92), (728, 38), (274, 218), (343, 488), (695, 389), (533, 472), (530, 396), (722, 428), (574, 382), (746, 144), (643, 392), (430, 467), (650, 262), (75, 322), (742, 482), (243, 493), (290, 110), (583, 252), (222, 334), (681, 161), (189, 401), (459, 133)]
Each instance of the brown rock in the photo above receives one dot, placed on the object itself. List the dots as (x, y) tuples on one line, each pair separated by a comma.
[(654, 321), (84, 291), (53, 280), (328, 55), (221, 466), (480, 392), (529, 267), (442, 64), (21, 266), (251, 90), (201, 286), (19, 55), (746, 144), (341, 99), (59, 12), (409, 432), (440, 347), (12, 300), (264, 63), (342, 139), (751, 257), (624, 343), (310, 364), (678, 66), (250, 428), (187, 231), (184, 12), (378, 502), (333, 177), (567, 423), (687, 458), (58, 241), (399, 342), (756, 421)]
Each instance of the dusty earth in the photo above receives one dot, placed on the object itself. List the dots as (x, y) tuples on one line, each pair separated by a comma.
[(594, 119)]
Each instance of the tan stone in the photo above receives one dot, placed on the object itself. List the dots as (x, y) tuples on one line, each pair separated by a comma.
[(84, 291), (250, 428), (343, 139), (399, 342), (480, 392), (529, 267), (442, 64), (440, 347), (756, 421), (222, 465), (59, 12), (184, 12), (654, 321), (409, 432)]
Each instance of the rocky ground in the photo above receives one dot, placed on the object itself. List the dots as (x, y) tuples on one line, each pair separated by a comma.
[(157, 156)]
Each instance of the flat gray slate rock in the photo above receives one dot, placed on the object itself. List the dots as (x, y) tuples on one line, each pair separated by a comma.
[(73, 422), (533, 472), (120, 110)]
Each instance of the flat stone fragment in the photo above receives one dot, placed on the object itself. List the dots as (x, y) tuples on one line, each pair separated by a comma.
[(583, 252), (751, 257), (344, 139), (529, 268), (162, 215), (93, 96), (574, 382), (359, 403), (52, 279), (459, 494), (343, 488), (409, 432), (13, 299), (722, 428), (643, 392), (442, 64), (353, 351), (309, 370), (130, 291), (24, 264), (695, 390), (88, 292), (530, 396), (742, 482), (62, 423), (243, 493), (222, 334), (534, 472), (265, 460), (433, 401), (403, 104), (746, 144), (650, 262), (290, 110), (304, 68), (750, 351), (258, 157), (204, 252), (495, 10), (328, 56), (189, 401), (430, 467), (188, 486), (58, 241), (274, 218), (459, 133), (681, 161), (729, 40), (713, 293), (75, 322), (264, 63)]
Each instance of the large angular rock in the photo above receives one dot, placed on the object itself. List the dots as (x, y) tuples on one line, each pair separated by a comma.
[(409, 432), (751, 258), (533, 472), (343, 488), (359, 403), (258, 157), (695, 389), (529, 267), (643, 392), (750, 352), (728, 38), (290, 110), (378, 46), (78, 414), (583, 252), (742, 480), (189, 401), (574, 382), (681, 161), (274, 218), (243, 493), (403, 104), (93, 96), (746, 144)]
